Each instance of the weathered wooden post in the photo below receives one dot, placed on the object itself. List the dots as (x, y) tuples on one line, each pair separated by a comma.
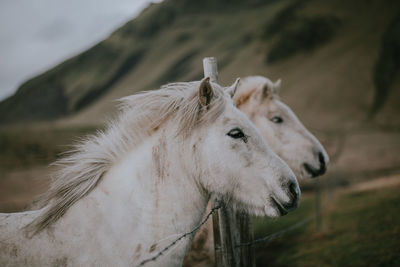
[(230, 228)]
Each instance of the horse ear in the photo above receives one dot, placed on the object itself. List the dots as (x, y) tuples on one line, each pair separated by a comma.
[(277, 86), (269, 90), (205, 92), (231, 90)]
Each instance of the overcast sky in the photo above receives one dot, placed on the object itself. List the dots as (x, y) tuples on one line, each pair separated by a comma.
[(37, 34)]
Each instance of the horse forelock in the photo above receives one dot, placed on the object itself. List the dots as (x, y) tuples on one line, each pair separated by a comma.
[(252, 86), (140, 116)]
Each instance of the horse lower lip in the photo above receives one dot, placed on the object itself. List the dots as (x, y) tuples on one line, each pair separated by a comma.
[(281, 209)]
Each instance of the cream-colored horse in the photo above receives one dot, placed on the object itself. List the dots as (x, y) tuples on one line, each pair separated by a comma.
[(127, 192), (258, 98)]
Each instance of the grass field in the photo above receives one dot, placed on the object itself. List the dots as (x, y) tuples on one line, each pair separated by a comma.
[(25, 156), (359, 228), (21, 148)]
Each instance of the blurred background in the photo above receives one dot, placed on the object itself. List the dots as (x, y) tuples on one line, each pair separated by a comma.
[(63, 64)]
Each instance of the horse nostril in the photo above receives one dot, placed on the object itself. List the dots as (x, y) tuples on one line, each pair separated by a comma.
[(292, 190), (321, 159)]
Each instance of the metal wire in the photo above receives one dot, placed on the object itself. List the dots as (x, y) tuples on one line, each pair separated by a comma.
[(252, 243), (155, 257), (279, 233), (316, 215)]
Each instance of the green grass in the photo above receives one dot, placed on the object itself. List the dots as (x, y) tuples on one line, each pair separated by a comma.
[(22, 148), (362, 229), (264, 226)]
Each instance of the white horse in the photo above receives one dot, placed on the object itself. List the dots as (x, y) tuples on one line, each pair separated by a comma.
[(126, 192), (258, 98)]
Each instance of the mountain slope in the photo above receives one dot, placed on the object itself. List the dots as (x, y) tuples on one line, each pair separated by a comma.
[(325, 52)]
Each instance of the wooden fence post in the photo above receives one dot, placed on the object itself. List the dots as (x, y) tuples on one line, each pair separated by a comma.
[(230, 227)]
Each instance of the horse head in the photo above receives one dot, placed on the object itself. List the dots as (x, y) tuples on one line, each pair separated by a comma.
[(258, 98), (237, 164)]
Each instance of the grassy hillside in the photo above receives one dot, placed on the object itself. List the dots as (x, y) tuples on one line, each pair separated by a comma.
[(81, 80), (323, 50), (24, 148)]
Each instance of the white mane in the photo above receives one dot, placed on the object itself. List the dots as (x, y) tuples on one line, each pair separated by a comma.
[(140, 116)]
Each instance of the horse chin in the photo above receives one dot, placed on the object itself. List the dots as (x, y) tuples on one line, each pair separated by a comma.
[(254, 209), (271, 211)]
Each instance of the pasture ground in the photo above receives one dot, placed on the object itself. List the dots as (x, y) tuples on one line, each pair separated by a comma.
[(360, 214), (360, 227)]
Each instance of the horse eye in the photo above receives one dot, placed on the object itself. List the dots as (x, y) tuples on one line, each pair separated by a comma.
[(236, 133), (277, 119)]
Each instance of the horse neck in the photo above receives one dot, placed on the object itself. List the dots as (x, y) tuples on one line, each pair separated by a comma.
[(150, 195)]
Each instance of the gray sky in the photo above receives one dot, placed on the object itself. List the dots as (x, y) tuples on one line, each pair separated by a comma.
[(38, 34)]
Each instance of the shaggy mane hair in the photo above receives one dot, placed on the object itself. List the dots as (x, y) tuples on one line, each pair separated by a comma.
[(249, 86), (81, 169)]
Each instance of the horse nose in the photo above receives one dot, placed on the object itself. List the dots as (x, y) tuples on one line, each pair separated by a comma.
[(294, 193)]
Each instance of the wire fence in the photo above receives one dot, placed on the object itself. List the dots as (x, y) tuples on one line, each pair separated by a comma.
[(279, 233), (252, 243), (159, 254)]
